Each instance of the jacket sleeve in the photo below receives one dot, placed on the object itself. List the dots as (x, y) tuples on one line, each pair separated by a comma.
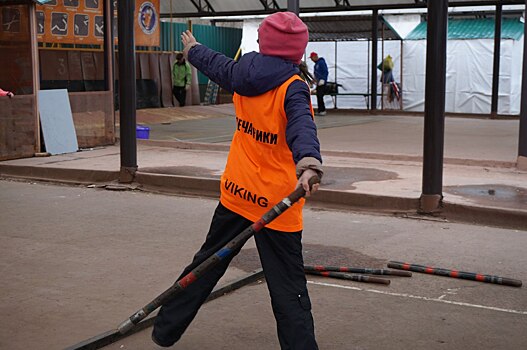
[(325, 70), (218, 67), (321, 70), (301, 131)]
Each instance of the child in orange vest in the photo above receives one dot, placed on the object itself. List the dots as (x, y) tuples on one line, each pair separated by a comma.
[(274, 150)]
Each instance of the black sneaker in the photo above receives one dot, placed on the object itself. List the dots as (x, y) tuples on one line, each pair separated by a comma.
[(157, 342)]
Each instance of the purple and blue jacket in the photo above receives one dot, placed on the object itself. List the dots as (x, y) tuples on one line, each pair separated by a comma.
[(255, 74)]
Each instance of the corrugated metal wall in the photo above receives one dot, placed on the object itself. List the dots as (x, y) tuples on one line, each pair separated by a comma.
[(222, 39)]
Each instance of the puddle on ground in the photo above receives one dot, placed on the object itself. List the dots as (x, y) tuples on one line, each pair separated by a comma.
[(492, 195), (181, 170), (344, 178), (334, 177), (314, 254)]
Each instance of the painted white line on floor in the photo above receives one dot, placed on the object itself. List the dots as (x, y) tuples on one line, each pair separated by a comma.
[(404, 295)]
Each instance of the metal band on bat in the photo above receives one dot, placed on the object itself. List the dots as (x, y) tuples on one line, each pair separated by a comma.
[(278, 208)]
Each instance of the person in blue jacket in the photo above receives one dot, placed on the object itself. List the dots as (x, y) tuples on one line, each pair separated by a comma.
[(271, 98), (321, 78)]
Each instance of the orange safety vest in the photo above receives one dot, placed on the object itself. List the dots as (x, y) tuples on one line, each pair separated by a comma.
[(260, 169)]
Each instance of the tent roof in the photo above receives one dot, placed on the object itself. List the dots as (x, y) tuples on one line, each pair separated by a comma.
[(479, 28), (200, 8)]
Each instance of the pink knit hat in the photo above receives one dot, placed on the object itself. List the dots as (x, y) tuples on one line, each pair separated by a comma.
[(284, 35)]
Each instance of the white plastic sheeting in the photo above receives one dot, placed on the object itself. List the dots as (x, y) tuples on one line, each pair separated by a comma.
[(250, 35), (516, 66), (403, 24), (468, 80), (469, 76), (352, 68)]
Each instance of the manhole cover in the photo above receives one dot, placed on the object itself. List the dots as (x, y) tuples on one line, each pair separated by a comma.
[(315, 254)]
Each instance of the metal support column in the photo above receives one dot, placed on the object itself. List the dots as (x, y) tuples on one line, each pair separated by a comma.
[(336, 67), (382, 66), (293, 6), (522, 141), (374, 37), (496, 66), (434, 123), (127, 95), (108, 12), (35, 72)]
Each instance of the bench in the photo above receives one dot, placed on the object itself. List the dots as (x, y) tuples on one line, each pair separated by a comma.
[(332, 89), (366, 96)]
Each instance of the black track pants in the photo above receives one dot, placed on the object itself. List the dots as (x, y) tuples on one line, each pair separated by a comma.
[(180, 93), (321, 91), (281, 257)]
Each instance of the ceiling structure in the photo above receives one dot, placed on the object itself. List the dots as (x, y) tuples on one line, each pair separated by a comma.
[(327, 20), (346, 28), (208, 8)]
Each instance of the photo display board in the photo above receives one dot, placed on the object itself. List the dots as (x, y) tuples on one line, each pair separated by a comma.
[(14, 22), (82, 22)]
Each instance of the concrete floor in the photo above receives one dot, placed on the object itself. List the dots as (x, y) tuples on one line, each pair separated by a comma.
[(350, 316), (77, 261), (465, 138)]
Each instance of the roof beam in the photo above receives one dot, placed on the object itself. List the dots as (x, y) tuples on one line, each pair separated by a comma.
[(345, 5), (342, 3), (270, 4), (203, 6)]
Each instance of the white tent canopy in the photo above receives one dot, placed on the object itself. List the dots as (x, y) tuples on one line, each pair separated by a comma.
[(468, 80), (468, 76)]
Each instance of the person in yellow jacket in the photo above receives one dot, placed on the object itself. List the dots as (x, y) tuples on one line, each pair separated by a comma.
[(181, 79), (274, 150)]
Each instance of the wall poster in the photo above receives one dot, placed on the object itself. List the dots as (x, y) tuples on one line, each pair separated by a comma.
[(82, 22)]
